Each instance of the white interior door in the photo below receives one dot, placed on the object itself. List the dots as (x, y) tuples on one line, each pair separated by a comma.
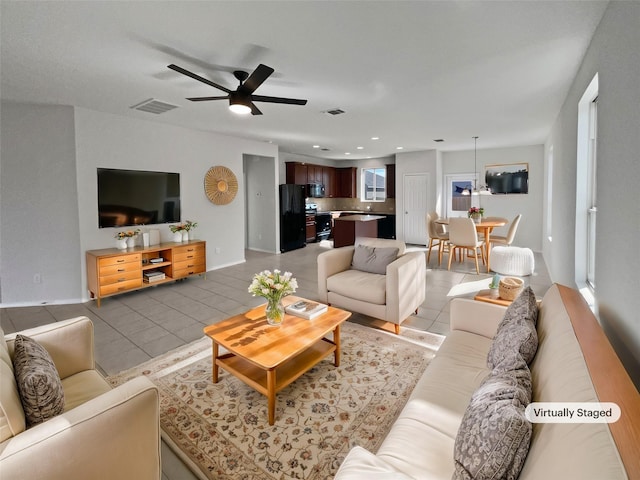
[(415, 198)]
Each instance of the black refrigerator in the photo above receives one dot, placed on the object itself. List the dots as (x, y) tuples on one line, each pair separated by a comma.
[(292, 217)]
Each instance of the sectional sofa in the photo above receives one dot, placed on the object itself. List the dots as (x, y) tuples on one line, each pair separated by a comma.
[(438, 434)]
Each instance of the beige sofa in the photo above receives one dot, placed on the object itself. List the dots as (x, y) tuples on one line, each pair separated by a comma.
[(420, 444), (391, 296), (103, 433)]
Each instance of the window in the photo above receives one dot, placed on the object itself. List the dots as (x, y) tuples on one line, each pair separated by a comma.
[(374, 184), (586, 210)]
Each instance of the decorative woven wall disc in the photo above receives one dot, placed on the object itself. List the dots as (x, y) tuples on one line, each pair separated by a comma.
[(220, 185)]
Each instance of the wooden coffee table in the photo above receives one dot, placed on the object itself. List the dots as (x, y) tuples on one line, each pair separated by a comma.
[(268, 358)]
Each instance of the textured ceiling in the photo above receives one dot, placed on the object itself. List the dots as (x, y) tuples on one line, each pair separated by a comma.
[(406, 72)]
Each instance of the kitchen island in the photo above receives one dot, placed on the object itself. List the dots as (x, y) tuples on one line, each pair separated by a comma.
[(347, 228)]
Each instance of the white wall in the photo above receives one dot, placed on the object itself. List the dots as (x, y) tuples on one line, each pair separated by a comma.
[(39, 208), (614, 55), (42, 176), (508, 206)]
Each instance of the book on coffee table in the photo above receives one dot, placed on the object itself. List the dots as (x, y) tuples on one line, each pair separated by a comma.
[(306, 309)]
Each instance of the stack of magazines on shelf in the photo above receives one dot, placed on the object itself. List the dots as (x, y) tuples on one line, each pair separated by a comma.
[(306, 309), (153, 276)]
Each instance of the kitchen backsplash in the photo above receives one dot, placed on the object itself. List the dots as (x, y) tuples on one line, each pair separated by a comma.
[(346, 204)]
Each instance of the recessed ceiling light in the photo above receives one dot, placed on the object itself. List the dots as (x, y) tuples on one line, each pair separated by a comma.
[(375, 138), (360, 148), (399, 148), (347, 153), (316, 146)]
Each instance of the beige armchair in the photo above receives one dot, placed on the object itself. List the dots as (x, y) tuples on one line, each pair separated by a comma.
[(391, 296), (103, 433)]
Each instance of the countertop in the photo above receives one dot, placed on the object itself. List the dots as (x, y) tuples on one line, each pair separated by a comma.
[(361, 218)]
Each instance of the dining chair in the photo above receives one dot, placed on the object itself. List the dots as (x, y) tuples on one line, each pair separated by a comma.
[(511, 233), (463, 236), (437, 236)]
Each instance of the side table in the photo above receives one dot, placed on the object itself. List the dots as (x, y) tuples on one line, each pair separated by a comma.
[(491, 295)]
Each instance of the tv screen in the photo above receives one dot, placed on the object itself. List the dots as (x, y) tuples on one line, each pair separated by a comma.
[(136, 197)]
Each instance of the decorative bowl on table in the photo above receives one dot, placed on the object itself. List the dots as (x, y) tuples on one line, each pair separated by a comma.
[(510, 287)]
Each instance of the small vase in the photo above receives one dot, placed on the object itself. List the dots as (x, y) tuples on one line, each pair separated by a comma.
[(185, 236), (477, 218), (274, 312), (121, 244), (192, 235), (131, 242), (177, 236)]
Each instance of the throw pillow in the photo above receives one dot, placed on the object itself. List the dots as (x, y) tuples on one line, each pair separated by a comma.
[(38, 381), (373, 259), (519, 338), (516, 332), (494, 435), (523, 308)]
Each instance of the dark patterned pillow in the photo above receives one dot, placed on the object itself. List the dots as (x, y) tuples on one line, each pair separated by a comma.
[(38, 381), (523, 309), (494, 435), (516, 332)]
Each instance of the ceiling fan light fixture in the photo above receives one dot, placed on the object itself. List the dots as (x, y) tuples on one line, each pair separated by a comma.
[(239, 105), (239, 109)]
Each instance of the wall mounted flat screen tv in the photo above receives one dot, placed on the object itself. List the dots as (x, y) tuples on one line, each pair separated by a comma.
[(136, 197)]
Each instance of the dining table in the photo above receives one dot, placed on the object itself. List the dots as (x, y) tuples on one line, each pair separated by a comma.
[(484, 226)]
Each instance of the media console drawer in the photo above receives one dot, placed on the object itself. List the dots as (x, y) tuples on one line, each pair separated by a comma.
[(111, 271)]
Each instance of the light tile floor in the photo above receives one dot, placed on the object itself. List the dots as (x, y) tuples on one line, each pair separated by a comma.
[(134, 327)]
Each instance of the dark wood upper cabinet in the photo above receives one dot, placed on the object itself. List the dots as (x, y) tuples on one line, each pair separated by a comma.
[(296, 173), (346, 179), (338, 182), (391, 181), (329, 181)]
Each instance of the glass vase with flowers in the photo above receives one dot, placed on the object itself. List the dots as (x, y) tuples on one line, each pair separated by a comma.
[(273, 286)]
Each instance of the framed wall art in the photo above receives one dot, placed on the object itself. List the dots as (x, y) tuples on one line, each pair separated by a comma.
[(511, 178)]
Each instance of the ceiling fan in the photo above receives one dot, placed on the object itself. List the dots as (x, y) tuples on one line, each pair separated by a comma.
[(241, 99)]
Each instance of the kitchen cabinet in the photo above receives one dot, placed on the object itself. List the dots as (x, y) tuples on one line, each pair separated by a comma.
[(391, 181), (329, 181), (346, 180), (310, 228), (338, 182), (314, 173), (296, 173), (346, 229)]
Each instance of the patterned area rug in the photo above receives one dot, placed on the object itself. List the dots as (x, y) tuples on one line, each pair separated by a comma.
[(221, 430)]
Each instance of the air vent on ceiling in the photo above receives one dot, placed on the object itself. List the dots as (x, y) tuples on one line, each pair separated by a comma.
[(325, 149), (335, 111), (438, 140), (154, 106)]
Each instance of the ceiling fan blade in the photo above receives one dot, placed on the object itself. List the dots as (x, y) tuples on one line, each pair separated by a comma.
[(197, 77), (256, 79), (206, 99), (255, 110), (289, 101)]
